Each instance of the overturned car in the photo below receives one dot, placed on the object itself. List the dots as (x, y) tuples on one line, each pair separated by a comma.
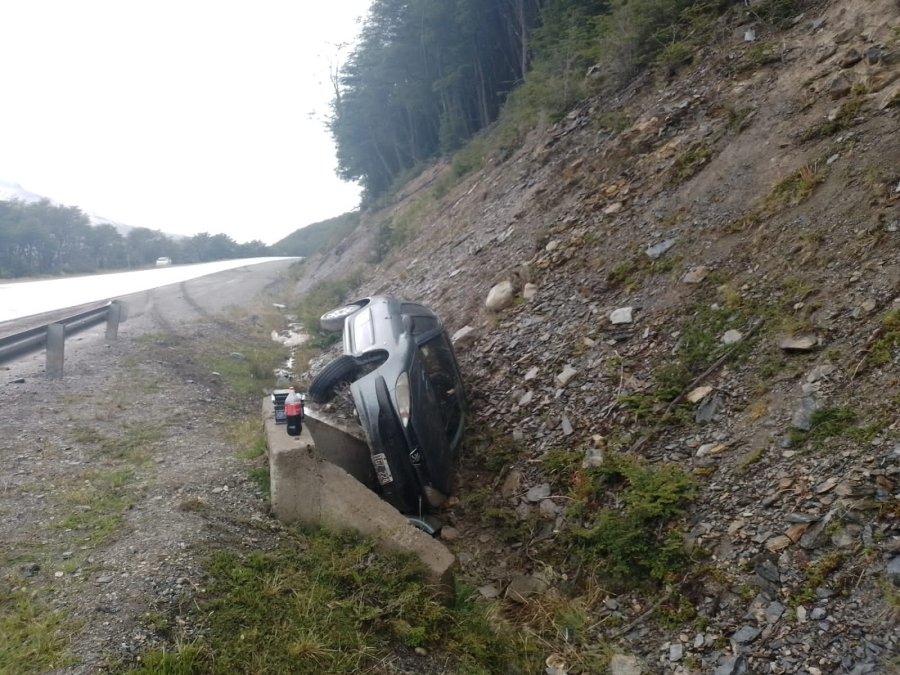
[(408, 393)]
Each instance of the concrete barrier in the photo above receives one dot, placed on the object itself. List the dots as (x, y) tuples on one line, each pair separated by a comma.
[(309, 489)]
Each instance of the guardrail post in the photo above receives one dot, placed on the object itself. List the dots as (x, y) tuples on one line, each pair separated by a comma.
[(113, 316), (56, 342)]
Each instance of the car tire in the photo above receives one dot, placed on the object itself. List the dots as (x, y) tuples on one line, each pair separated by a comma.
[(333, 321), (343, 369)]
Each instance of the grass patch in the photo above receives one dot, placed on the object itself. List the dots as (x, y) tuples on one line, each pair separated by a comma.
[(632, 537), (260, 476), (326, 603), (691, 161), (676, 54), (817, 573), (613, 120), (779, 13), (86, 435), (402, 227), (622, 274), (699, 346), (491, 451), (97, 507), (665, 264), (561, 464), (247, 368), (841, 422), (32, 635), (829, 422), (885, 349), (631, 272), (249, 436), (134, 445)]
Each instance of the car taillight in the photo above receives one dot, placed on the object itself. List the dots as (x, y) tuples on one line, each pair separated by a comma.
[(401, 394)]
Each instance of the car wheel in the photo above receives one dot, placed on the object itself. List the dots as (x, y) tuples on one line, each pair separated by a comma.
[(343, 369), (334, 319)]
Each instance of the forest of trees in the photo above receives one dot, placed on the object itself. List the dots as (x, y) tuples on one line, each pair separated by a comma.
[(424, 77), (42, 238), (429, 74)]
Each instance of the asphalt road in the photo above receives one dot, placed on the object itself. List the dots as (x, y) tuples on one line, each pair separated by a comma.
[(160, 309), (197, 298), (179, 301)]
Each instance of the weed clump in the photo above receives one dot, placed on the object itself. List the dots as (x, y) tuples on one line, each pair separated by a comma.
[(845, 117), (692, 161), (885, 349), (779, 13), (796, 188)]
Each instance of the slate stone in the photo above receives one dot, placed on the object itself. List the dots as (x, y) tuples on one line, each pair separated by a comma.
[(745, 635), (707, 410), (658, 250), (893, 570), (803, 413), (732, 665)]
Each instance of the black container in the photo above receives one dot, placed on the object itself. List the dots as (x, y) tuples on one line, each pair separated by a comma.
[(278, 397)]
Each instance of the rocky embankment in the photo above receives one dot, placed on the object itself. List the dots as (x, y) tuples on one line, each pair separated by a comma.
[(704, 271)]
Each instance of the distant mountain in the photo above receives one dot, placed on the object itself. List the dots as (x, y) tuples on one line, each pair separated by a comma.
[(10, 191)]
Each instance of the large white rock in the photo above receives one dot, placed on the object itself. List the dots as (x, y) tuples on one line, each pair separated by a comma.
[(464, 335), (621, 315), (500, 296)]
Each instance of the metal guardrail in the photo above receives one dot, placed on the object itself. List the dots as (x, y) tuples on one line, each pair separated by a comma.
[(51, 336)]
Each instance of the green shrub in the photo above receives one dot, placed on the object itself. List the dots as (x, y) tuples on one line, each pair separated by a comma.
[(700, 344), (633, 539)]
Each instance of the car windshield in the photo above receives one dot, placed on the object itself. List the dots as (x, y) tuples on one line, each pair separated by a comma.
[(438, 363)]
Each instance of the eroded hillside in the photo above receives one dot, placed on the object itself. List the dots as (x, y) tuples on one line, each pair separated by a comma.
[(702, 340)]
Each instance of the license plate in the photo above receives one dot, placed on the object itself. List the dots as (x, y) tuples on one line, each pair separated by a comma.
[(382, 470)]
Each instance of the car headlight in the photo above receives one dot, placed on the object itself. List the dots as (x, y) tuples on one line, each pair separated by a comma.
[(401, 393)]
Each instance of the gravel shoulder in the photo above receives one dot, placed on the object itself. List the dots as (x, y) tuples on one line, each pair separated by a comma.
[(119, 478)]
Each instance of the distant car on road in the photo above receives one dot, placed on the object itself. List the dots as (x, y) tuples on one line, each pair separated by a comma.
[(408, 393), (163, 262)]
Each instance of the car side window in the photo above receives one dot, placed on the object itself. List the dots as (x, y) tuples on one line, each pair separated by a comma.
[(438, 363)]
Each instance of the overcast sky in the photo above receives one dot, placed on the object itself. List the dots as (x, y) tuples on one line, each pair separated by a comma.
[(184, 116)]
